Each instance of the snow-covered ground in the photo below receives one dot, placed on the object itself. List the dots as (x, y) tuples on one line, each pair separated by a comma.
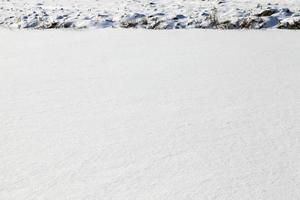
[(122, 115), (150, 14)]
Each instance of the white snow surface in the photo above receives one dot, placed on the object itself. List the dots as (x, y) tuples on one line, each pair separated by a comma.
[(150, 14), (118, 114)]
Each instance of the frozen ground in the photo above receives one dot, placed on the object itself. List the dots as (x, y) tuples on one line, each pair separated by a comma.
[(153, 14), (109, 114)]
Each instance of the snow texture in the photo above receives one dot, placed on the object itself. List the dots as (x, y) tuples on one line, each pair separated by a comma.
[(118, 114), (150, 14)]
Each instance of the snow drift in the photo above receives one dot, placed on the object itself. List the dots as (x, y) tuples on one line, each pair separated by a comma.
[(112, 115)]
